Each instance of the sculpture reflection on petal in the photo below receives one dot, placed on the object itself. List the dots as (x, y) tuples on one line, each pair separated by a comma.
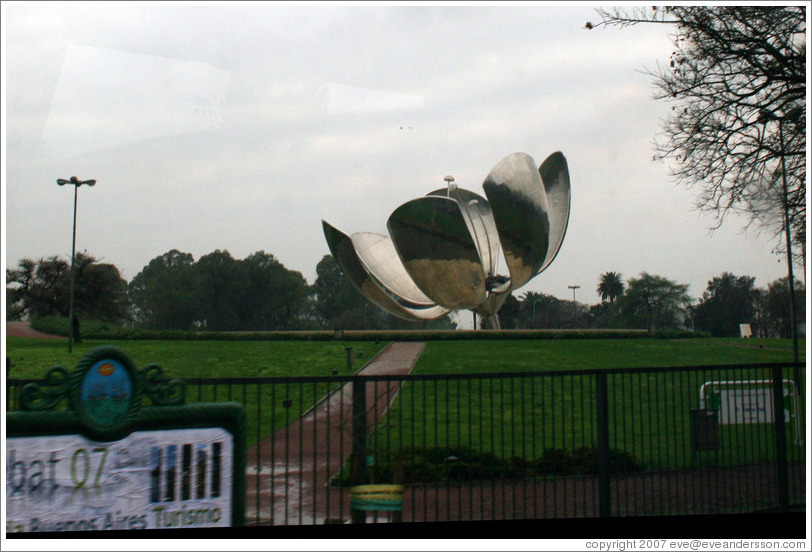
[(445, 247), (344, 253), (380, 258), (434, 242)]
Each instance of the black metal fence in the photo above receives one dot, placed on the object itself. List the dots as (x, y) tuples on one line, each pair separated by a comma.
[(554, 444)]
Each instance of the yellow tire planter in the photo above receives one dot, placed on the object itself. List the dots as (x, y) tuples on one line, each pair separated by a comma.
[(377, 497)]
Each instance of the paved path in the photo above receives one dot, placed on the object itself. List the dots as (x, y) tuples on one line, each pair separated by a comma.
[(23, 329), (288, 474)]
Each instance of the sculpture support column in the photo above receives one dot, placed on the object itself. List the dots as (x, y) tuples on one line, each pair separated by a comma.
[(492, 322)]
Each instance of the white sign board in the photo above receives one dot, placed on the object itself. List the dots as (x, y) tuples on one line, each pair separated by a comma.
[(149, 480), (747, 406)]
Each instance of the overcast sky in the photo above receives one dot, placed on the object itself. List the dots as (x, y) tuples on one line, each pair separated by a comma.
[(242, 127)]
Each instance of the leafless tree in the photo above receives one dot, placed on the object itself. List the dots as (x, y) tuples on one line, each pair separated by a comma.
[(736, 80)]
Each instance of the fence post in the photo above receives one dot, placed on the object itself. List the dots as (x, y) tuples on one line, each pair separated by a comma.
[(359, 437), (399, 477), (780, 438), (604, 491), (8, 387)]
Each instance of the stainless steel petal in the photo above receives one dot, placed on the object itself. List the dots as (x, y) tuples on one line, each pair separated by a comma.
[(344, 253), (479, 217), (432, 238), (519, 205), (556, 179), (381, 260)]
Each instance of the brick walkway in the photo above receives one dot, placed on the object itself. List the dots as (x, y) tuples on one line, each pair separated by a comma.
[(291, 486)]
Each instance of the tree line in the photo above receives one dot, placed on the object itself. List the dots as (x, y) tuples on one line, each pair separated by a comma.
[(213, 293), (258, 293), (656, 303)]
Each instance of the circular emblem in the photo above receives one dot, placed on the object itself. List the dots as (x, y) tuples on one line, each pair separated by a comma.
[(106, 369)]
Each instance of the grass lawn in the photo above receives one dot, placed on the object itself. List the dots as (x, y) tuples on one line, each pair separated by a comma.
[(520, 417), (32, 357), (199, 359), (460, 357), (525, 416), (265, 404)]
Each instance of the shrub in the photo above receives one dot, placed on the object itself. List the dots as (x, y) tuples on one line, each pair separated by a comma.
[(554, 461), (458, 464), (584, 460)]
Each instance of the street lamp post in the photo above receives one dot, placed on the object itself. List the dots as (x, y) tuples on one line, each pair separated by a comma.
[(767, 115), (76, 183), (536, 302), (574, 305)]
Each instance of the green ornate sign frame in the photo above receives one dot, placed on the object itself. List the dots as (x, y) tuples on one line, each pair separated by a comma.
[(104, 396)]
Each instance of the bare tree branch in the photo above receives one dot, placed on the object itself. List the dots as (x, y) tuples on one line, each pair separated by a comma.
[(730, 65)]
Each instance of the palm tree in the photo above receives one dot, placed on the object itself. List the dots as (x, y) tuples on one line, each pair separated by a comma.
[(611, 286)]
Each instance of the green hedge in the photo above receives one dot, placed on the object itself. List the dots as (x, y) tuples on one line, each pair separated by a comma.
[(95, 329)]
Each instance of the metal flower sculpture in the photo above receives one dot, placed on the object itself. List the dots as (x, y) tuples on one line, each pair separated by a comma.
[(445, 247)]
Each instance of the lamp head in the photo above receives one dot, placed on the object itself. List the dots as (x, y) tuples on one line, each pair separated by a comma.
[(75, 181)]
